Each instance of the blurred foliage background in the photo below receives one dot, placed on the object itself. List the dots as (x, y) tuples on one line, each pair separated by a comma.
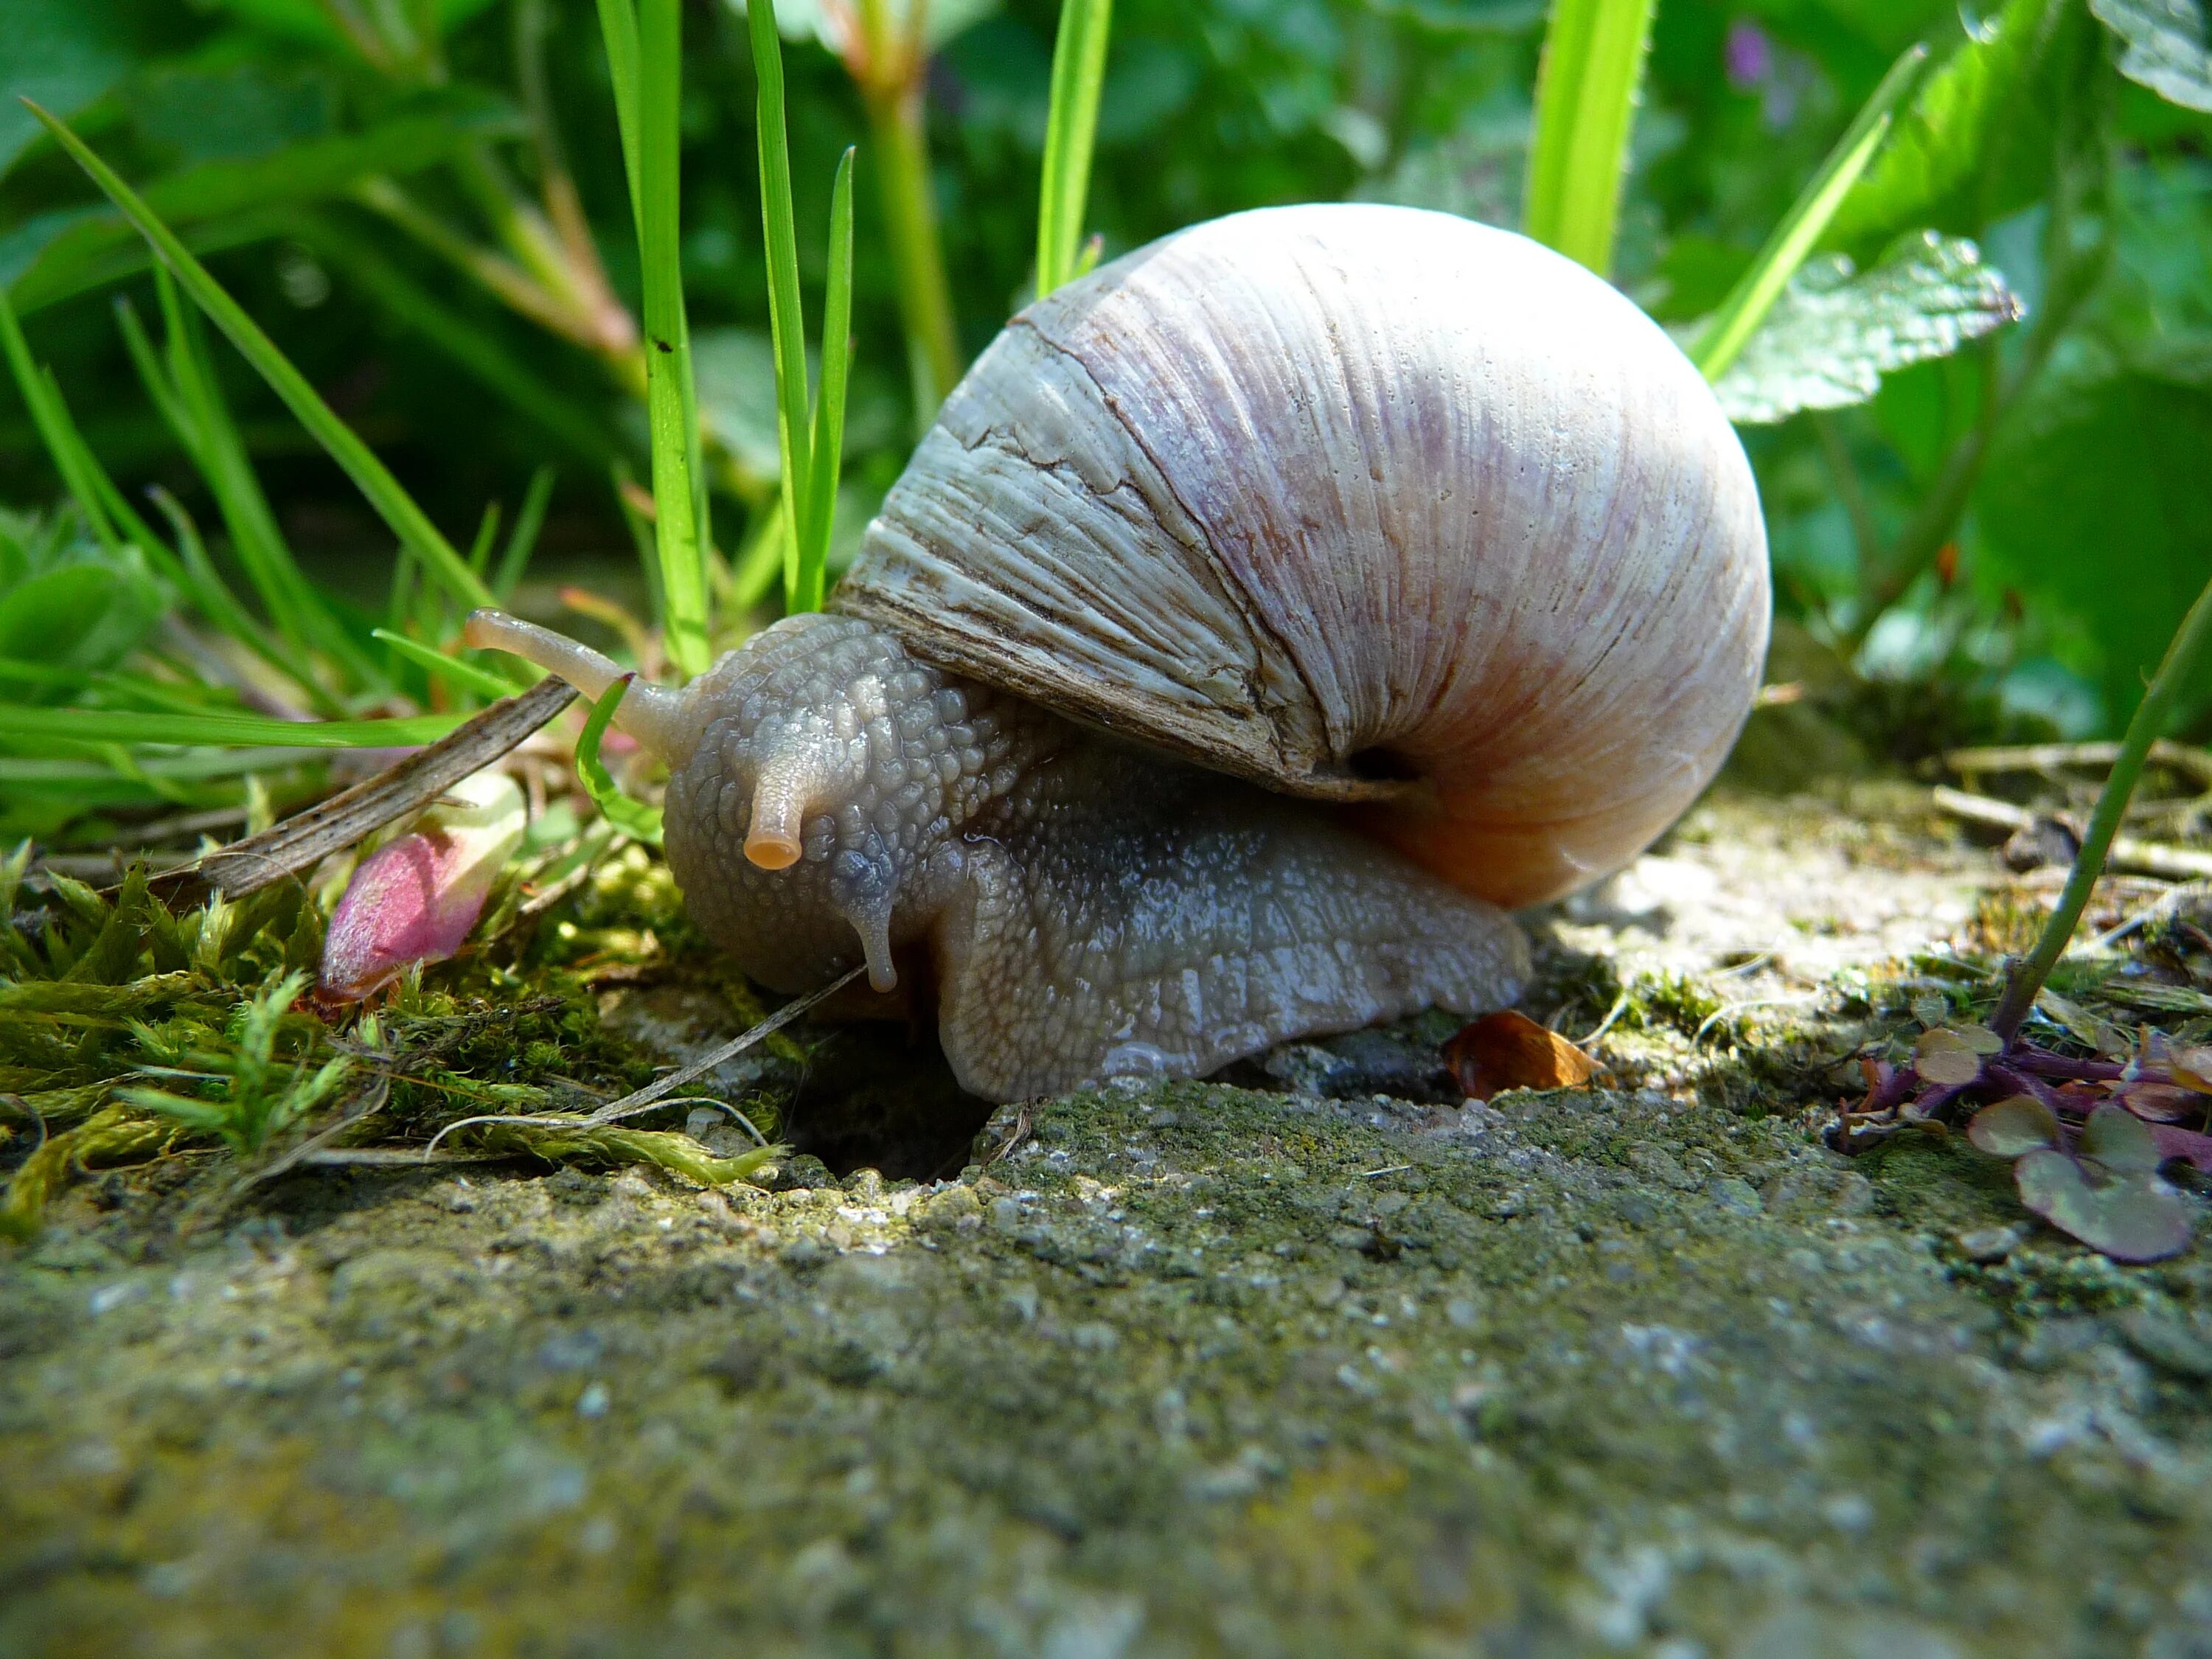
[(424, 201)]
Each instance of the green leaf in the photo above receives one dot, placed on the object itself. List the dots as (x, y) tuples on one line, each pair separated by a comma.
[(234, 112), (1836, 332), (437, 662), (618, 34), (133, 726), (1078, 71), (1757, 291), (2015, 1127), (787, 317), (2166, 46), (464, 340), (1974, 145), (61, 53), (678, 533), (522, 540), (83, 249), (1585, 105), (81, 619), (2119, 1140), (2133, 1218), (304, 20), (2094, 510), (633, 817), (827, 446), (397, 508)]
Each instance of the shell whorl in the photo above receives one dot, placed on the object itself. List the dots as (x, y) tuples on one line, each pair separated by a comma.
[(1324, 495)]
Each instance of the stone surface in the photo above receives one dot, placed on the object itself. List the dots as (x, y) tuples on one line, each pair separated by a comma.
[(1188, 1370)]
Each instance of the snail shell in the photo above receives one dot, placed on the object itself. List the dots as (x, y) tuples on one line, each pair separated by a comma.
[(1361, 503)]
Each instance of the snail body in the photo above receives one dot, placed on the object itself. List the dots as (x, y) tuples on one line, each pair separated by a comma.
[(1263, 610)]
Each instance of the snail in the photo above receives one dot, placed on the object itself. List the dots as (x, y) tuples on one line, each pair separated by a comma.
[(1265, 615)]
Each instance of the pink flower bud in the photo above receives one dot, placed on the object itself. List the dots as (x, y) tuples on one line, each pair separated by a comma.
[(415, 898)]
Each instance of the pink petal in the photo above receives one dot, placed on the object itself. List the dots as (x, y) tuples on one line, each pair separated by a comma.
[(416, 899)]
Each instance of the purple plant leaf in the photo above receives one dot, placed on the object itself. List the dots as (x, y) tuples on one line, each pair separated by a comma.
[(2130, 1217), (416, 899), (2186, 1143), (2014, 1127), (2120, 1141)]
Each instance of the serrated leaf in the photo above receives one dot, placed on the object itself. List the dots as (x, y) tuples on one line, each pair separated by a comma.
[(1975, 116), (2135, 1218), (2014, 1127), (2167, 42), (1836, 332)]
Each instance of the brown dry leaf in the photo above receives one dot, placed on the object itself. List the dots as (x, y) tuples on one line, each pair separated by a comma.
[(1942, 1057), (2188, 1064), (1507, 1050)]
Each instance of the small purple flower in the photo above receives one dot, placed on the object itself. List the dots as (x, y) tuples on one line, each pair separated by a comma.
[(415, 898), (1749, 55)]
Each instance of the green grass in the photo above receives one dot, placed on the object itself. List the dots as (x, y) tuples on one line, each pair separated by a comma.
[(1585, 107), (392, 504), (1730, 328), (680, 526), (810, 438), (1079, 72)]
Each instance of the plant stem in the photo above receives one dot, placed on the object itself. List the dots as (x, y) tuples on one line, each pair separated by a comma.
[(1585, 107), (679, 533), (2150, 724), (1079, 69), (898, 121), (1837, 451)]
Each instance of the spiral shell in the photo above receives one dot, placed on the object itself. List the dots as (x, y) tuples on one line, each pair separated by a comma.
[(1361, 502)]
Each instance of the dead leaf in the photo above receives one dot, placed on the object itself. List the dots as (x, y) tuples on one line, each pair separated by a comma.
[(1507, 1050), (2189, 1065)]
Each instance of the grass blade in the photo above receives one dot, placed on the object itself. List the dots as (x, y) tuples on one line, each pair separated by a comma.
[(1079, 69), (437, 662), (522, 541), (1731, 327), (618, 28), (210, 438), (633, 817), (787, 320), (1585, 107), (398, 509), (472, 347), (827, 444), (51, 416), (126, 726), (668, 345), (2152, 716)]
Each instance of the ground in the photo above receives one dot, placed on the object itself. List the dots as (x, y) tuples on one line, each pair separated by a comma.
[(1310, 1361)]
